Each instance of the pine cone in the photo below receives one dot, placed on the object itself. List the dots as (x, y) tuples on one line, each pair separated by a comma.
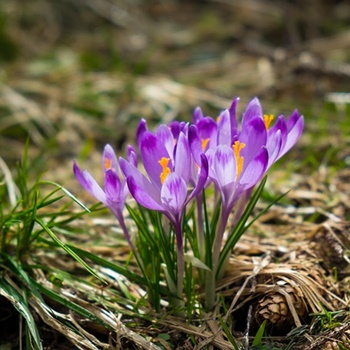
[(332, 245), (274, 308)]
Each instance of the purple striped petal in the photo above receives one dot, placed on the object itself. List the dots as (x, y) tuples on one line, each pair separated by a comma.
[(183, 159), (173, 194), (89, 183), (281, 126), (224, 165), (197, 115), (152, 150), (207, 129), (141, 129), (109, 159), (175, 128), (294, 132), (293, 119), (255, 170), (254, 136), (224, 129), (131, 171), (233, 117), (131, 155), (252, 111), (114, 189), (165, 137), (202, 178), (273, 146), (141, 196), (195, 143)]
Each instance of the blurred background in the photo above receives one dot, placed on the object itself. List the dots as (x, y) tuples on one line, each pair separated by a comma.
[(77, 74)]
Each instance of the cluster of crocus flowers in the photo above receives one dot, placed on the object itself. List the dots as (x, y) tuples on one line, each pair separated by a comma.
[(181, 160)]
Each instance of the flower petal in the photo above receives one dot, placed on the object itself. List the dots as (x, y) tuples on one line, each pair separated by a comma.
[(224, 129), (197, 115), (281, 126), (175, 128), (142, 196), (252, 111), (255, 170), (225, 169), (152, 150), (173, 194), (130, 170), (141, 129), (254, 136), (273, 146), (224, 164), (89, 183), (166, 138), (295, 126), (207, 129), (233, 117), (109, 159), (114, 189), (131, 155), (183, 160), (195, 143), (202, 178)]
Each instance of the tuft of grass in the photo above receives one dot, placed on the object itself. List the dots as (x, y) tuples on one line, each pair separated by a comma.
[(34, 224)]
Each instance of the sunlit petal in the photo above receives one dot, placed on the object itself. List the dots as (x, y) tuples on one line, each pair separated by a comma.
[(255, 170), (89, 183), (173, 194), (142, 196)]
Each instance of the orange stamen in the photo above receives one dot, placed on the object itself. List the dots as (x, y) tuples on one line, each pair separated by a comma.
[(237, 148), (108, 163), (268, 120), (204, 143), (166, 171)]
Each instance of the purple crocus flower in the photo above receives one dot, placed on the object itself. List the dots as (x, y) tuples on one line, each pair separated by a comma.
[(232, 175), (167, 162), (115, 190), (168, 169), (281, 136), (238, 155)]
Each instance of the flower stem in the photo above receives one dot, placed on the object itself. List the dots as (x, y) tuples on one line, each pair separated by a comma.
[(120, 218), (210, 282), (200, 230), (180, 258)]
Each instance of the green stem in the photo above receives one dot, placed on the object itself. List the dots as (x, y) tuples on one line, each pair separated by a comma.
[(180, 258), (200, 228), (210, 282)]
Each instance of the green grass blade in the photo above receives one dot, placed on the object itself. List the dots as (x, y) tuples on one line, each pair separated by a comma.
[(68, 193), (69, 304), (240, 228), (259, 334), (228, 333), (68, 250), (16, 270), (20, 303), (105, 263)]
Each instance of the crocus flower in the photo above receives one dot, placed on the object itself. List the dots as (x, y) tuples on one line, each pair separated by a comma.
[(281, 136), (238, 155), (115, 190), (168, 169), (168, 166)]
